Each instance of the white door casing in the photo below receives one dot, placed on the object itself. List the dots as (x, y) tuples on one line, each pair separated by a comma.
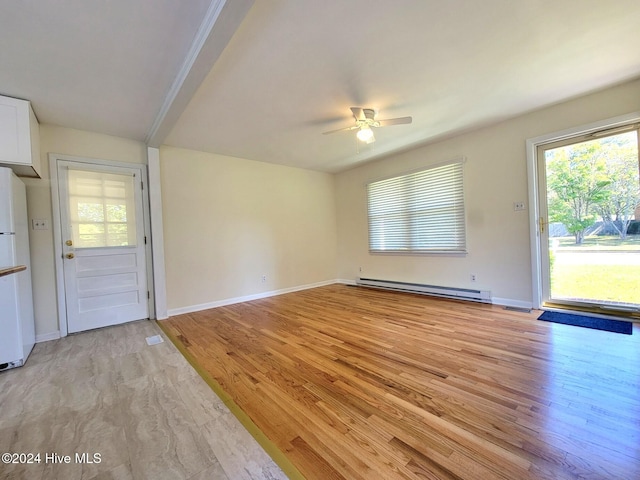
[(101, 251)]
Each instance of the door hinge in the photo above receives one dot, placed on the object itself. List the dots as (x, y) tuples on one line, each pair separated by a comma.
[(145, 239), (142, 185), (148, 295)]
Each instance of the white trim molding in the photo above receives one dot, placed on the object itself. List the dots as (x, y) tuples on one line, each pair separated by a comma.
[(157, 235), (46, 337), (247, 298), (509, 302)]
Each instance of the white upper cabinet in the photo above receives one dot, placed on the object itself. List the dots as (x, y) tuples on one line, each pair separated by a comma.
[(19, 137)]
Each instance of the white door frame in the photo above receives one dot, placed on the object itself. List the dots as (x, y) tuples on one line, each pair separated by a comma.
[(57, 229), (532, 173)]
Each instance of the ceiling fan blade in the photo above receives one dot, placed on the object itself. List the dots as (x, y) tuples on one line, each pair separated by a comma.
[(394, 121), (358, 113), (341, 130)]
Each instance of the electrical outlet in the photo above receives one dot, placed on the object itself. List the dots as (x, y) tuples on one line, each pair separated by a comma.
[(39, 224), (473, 277), (518, 206), (264, 278)]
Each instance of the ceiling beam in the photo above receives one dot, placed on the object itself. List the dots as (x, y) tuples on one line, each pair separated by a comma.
[(218, 26)]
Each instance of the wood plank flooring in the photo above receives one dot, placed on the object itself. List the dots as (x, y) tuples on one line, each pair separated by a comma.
[(141, 407), (355, 383)]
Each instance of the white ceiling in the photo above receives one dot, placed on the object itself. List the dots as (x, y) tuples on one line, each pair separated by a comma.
[(263, 80), (104, 66)]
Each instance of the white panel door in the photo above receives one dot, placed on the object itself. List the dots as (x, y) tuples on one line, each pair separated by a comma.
[(103, 247)]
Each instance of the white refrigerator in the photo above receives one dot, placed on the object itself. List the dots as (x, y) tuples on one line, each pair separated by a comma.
[(17, 328)]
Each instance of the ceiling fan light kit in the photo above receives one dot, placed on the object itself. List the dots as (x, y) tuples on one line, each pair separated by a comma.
[(365, 134), (365, 120)]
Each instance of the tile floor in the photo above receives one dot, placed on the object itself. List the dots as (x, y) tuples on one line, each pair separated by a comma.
[(142, 408)]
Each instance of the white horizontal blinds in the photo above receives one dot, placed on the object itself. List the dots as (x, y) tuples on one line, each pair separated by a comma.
[(102, 209), (421, 212)]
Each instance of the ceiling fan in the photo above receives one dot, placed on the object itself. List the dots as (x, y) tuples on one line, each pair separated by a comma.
[(365, 119)]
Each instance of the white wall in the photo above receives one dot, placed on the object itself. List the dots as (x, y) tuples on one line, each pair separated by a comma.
[(229, 221), (54, 139), (495, 178)]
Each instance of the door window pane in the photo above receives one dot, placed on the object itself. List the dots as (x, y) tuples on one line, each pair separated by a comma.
[(102, 209), (593, 197)]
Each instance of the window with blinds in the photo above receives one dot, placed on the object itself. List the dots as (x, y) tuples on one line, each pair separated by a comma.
[(102, 210), (422, 212)]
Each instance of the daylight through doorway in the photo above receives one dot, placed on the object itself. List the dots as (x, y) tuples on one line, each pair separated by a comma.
[(590, 221)]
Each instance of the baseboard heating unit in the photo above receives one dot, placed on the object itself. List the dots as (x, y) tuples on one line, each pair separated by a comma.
[(483, 296)]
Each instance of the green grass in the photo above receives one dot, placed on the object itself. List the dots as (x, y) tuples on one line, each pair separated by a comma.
[(620, 283), (600, 283)]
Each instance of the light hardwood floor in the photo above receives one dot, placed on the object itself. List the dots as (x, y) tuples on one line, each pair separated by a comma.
[(360, 384), (143, 408)]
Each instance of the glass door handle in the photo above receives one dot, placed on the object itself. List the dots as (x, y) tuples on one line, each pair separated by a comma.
[(542, 223), (70, 256)]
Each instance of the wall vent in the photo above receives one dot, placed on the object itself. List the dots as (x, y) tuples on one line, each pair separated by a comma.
[(483, 296)]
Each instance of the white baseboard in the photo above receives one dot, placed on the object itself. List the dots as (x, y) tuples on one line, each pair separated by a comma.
[(45, 337), (509, 302), (247, 298)]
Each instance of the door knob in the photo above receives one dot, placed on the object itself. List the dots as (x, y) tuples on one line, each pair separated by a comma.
[(70, 256), (68, 243)]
